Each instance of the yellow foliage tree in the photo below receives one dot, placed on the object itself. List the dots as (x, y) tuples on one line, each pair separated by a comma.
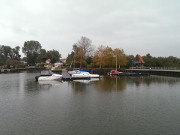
[(98, 56), (103, 56), (121, 57)]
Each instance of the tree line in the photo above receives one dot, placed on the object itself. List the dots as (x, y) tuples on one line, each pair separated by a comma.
[(34, 53), (83, 55), (170, 61)]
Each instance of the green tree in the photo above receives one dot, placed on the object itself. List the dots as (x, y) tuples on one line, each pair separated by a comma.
[(70, 59), (1, 60), (148, 60), (14, 63), (129, 59), (6, 52), (54, 55), (15, 53), (42, 57), (31, 49)]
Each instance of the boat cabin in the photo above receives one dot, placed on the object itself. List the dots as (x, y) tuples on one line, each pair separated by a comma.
[(46, 73)]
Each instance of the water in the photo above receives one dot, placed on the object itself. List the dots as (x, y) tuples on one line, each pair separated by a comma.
[(109, 106)]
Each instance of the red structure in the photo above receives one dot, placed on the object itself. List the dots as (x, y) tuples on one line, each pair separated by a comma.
[(138, 61)]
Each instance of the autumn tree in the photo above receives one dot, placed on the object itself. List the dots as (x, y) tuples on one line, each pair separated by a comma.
[(120, 56), (108, 57), (86, 45), (83, 50), (103, 56), (79, 55), (98, 56)]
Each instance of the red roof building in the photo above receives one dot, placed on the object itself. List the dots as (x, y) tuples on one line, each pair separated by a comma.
[(138, 61)]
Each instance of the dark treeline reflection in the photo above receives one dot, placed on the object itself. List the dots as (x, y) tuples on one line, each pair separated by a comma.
[(114, 83), (160, 80), (32, 85)]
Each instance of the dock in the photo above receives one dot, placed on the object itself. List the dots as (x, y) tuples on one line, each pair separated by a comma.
[(66, 76)]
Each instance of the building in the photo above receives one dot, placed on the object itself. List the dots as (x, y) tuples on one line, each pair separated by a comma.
[(48, 61), (58, 65), (138, 61), (49, 65), (63, 60)]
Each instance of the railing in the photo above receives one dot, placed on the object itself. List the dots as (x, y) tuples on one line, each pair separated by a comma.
[(158, 68)]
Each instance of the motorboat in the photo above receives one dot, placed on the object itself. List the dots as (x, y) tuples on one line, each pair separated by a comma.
[(47, 75), (85, 75), (115, 72)]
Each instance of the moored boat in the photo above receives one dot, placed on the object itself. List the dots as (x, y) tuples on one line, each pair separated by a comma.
[(85, 75), (47, 75), (115, 72)]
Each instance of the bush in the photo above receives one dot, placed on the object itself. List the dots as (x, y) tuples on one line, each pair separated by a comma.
[(11, 63), (42, 64)]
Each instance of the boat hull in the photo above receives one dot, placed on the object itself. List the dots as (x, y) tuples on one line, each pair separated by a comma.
[(49, 78), (81, 75), (85, 75)]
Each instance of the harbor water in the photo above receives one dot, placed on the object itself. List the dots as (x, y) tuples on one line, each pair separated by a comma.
[(147, 105)]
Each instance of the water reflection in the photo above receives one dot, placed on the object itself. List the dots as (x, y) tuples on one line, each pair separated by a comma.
[(162, 80), (32, 85), (106, 83), (110, 105), (48, 84), (115, 83), (111, 84), (137, 80), (87, 81), (82, 85)]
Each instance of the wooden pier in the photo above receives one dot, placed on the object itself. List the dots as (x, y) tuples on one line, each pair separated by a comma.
[(66, 76)]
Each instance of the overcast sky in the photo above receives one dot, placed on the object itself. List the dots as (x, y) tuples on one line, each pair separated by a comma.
[(137, 26)]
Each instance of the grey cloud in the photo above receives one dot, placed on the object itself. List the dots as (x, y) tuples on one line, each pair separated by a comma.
[(137, 26)]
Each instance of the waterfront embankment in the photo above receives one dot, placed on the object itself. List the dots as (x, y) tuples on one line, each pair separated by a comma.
[(105, 71)]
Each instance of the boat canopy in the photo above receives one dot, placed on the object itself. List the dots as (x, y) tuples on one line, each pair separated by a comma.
[(46, 72)]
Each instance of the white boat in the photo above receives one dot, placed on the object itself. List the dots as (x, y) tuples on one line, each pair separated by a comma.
[(47, 75), (85, 75)]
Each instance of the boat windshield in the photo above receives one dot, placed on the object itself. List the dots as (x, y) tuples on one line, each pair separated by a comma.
[(46, 72)]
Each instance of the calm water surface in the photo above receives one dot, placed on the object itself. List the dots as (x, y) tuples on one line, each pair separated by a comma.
[(109, 106)]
